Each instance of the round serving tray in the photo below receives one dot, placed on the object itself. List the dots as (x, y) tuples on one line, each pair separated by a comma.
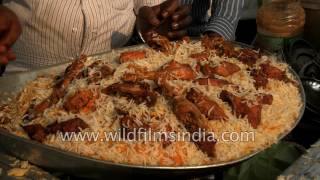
[(55, 159)]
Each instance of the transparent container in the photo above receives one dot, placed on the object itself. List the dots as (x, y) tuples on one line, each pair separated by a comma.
[(281, 18), (278, 22)]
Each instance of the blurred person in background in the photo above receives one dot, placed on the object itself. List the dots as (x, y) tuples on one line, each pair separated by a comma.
[(41, 33)]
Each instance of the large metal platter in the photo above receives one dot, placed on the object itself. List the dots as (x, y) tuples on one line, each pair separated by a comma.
[(55, 159)]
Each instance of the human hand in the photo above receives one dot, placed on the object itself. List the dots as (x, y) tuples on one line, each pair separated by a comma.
[(10, 30), (169, 19)]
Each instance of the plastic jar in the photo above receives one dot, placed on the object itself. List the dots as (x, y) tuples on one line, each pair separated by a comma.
[(278, 20)]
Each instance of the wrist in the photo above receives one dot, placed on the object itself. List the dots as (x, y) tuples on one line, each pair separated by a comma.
[(212, 34)]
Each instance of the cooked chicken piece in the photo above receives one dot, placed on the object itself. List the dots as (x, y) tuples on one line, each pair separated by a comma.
[(254, 115), (241, 108), (35, 111), (222, 47), (36, 132), (103, 72), (159, 42), (208, 107), (265, 99), (238, 105), (226, 49), (211, 43), (130, 56), (191, 118), (130, 125), (248, 56), (138, 92), (95, 64), (189, 115), (175, 70), (81, 101), (202, 56), (268, 71), (72, 125), (139, 74), (169, 90), (207, 147), (212, 82), (273, 72), (71, 73), (260, 80), (170, 71), (225, 69)]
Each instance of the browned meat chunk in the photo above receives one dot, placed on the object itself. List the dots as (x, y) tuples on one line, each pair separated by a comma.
[(36, 132), (170, 71), (273, 72), (82, 100), (175, 70), (254, 115), (211, 43), (129, 126), (238, 105), (71, 73), (241, 108), (35, 111), (103, 72), (139, 74), (248, 56), (206, 106), (222, 47), (169, 90), (159, 42), (130, 56), (138, 92), (72, 125), (189, 115), (212, 82), (226, 49), (203, 56), (265, 99), (267, 71), (259, 79), (54, 128), (191, 118), (207, 147), (95, 64), (225, 69)]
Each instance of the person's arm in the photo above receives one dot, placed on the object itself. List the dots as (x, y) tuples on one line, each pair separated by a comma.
[(225, 17), (10, 30)]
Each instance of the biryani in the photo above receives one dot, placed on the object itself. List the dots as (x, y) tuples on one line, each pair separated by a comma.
[(209, 88)]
